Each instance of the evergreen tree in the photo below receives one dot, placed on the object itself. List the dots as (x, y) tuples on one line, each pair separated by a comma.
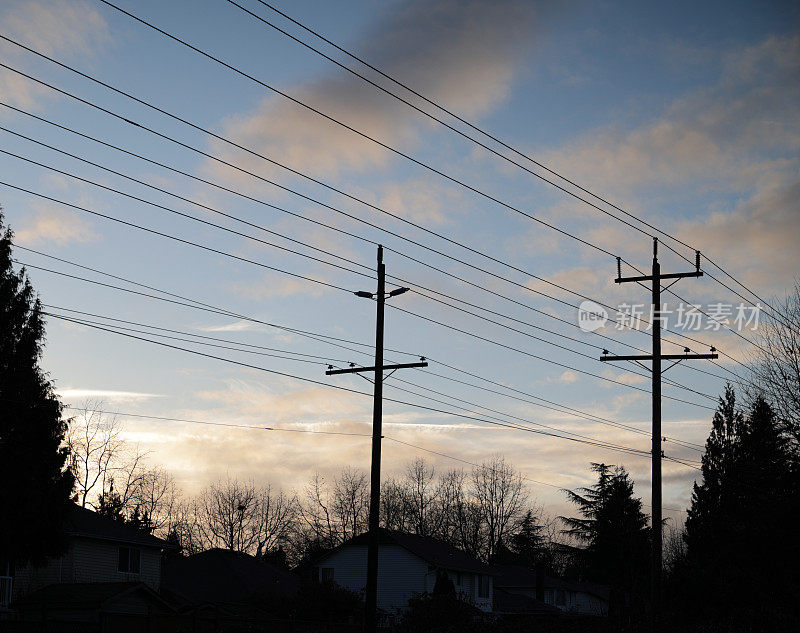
[(614, 530), (741, 530), (526, 546), (35, 484)]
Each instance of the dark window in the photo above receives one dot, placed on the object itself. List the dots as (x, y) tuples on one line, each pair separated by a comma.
[(129, 560), (561, 597), (327, 573)]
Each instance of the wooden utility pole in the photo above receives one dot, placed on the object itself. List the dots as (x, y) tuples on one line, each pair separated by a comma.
[(656, 357), (371, 606)]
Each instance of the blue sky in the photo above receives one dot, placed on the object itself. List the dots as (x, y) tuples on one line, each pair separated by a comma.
[(685, 114)]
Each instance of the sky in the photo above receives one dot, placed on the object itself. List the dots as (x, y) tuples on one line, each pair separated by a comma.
[(685, 115)]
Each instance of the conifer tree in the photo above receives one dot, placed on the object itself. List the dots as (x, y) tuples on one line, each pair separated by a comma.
[(614, 530), (35, 483), (741, 530)]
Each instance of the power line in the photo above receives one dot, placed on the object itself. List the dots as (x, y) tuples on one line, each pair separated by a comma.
[(177, 239), (323, 283), (359, 133), (305, 176), (494, 138), (308, 431), (326, 359), (116, 329), (542, 358), (385, 145), (354, 391), (206, 222), (217, 226), (191, 217), (336, 341), (400, 280)]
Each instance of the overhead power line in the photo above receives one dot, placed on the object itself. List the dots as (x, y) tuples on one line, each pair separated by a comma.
[(350, 234), (629, 450), (317, 359), (307, 177), (337, 342), (275, 429), (394, 150), (364, 135), (173, 237), (784, 318), (217, 226)]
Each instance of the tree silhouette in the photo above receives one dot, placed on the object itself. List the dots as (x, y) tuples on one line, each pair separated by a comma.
[(614, 530), (35, 485), (742, 550)]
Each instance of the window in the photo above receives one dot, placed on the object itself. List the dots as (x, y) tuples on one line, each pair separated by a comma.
[(327, 573), (483, 586), (458, 578), (561, 597), (130, 559)]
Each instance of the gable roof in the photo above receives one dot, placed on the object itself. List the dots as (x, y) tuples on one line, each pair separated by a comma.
[(433, 551), (222, 576), (88, 524), (91, 595)]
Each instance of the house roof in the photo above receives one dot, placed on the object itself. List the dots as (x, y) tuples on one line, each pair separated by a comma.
[(86, 523), (88, 595), (433, 551), (508, 602), (222, 576), (518, 576)]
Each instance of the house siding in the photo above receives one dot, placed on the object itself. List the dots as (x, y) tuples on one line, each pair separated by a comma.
[(88, 560), (401, 576)]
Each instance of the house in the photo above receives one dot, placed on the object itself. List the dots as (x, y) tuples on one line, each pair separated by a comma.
[(408, 566), (99, 551), (570, 596), (113, 606), (220, 578)]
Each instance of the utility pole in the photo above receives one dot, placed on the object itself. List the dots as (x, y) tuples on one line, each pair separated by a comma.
[(371, 606), (656, 357)]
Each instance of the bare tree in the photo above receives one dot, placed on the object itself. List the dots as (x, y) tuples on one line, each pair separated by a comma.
[(275, 519), (95, 446), (321, 529), (157, 498), (226, 512), (350, 505), (421, 498), (500, 494), (775, 367), (393, 505)]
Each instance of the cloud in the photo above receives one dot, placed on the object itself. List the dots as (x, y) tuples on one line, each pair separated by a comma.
[(568, 377), (463, 54), (54, 27), (718, 168), (51, 224), (236, 326), (271, 285), (75, 396)]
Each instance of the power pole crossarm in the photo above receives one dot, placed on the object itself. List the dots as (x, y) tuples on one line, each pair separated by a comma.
[(656, 277)]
